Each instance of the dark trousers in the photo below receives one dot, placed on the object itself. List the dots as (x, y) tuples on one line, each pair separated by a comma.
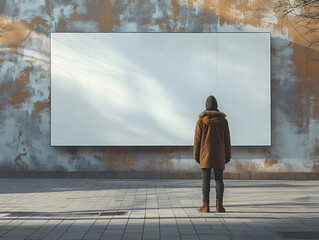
[(206, 184)]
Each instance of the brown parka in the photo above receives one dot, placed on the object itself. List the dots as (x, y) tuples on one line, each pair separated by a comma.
[(212, 147)]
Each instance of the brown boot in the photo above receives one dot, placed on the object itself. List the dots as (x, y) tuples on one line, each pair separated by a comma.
[(219, 206), (204, 208)]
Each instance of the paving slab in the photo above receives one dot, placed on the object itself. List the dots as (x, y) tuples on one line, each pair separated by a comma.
[(97, 208)]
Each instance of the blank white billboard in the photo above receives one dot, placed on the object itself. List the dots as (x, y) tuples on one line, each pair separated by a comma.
[(139, 89)]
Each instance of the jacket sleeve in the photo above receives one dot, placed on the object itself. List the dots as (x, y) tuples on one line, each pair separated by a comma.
[(227, 143), (197, 141)]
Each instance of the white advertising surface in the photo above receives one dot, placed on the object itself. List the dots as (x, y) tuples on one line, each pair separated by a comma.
[(142, 89)]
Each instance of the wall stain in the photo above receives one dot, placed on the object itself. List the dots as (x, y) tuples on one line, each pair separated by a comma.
[(177, 16), (20, 164), (39, 25), (13, 33), (241, 165), (270, 162), (99, 11), (117, 158), (151, 165), (17, 87), (234, 12), (41, 105), (176, 10), (307, 87), (105, 17), (61, 25), (166, 164), (128, 161)]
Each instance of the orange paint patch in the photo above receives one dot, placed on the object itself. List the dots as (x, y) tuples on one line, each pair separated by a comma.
[(167, 163), (233, 12), (117, 158), (100, 11), (244, 166), (13, 33), (39, 106), (60, 26), (176, 9), (105, 17), (270, 162), (307, 70), (73, 15), (316, 151), (38, 23), (169, 150), (19, 87), (128, 160), (181, 29), (20, 84), (251, 166), (315, 167), (150, 165)]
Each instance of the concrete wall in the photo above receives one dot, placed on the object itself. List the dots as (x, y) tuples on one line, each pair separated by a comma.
[(25, 28)]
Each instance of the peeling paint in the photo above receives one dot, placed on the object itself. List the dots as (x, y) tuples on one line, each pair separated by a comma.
[(117, 158), (13, 34), (270, 163), (105, 17), (18, 87), (38, 25), (39, 106)]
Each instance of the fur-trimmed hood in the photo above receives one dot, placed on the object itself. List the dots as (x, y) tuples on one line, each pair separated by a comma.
[(211, 116)]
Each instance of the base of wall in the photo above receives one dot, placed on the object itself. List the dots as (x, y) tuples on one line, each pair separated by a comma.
[(162, 175)]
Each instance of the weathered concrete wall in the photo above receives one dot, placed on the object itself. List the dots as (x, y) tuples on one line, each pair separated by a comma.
[(25, 28)]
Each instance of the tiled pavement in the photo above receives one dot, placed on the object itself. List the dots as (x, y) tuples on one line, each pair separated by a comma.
[(156, 209)]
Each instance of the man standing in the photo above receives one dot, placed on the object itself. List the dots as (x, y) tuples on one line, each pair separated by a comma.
[(212, 149)]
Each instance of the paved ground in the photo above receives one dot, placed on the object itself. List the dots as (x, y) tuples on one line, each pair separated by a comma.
[(156, 209)]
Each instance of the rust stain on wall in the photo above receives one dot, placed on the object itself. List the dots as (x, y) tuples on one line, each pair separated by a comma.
[(117, 158), (181, 29), (20, 164), (233, 12), (38, 24), (99, 11), (105, 17), (151, 165), (18, 87), (240, 165), (168, 153), (13, 33), (128, 160), (176, 10), (170, 149), (308, 73), (167, 163), (60, 26), (270, 162), (306, 59), (40, 105), (20, 84)]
